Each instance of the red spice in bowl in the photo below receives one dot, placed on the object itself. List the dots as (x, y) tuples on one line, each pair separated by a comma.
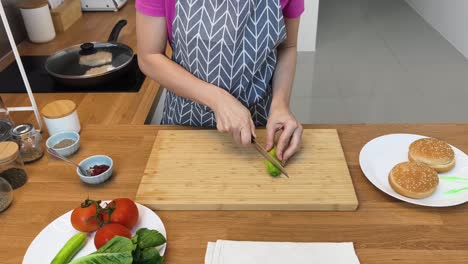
[(98, 169)]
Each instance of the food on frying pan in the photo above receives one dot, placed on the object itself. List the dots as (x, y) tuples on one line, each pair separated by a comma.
[(413, 179), (433, 152), (99, 70), (96, 59)]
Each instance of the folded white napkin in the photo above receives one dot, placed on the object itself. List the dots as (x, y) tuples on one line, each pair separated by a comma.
[(244, 252)]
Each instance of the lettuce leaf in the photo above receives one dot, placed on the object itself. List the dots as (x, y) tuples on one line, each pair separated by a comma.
[(117, 251), (121, 250), (147, 238), (117, 244), (150, 256), (105, 258), (147, 256)]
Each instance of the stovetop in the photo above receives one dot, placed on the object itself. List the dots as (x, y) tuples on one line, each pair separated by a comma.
[(42, 82)]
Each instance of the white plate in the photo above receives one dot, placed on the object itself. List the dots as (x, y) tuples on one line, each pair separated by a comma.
[(379, 156), (52, 238)]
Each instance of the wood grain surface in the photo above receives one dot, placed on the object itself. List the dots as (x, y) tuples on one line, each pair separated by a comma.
[(384, 230), (66, 14), (205, 170), (58, 109)]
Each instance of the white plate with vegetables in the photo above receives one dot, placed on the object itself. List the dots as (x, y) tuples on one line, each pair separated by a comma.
[(55, 236)]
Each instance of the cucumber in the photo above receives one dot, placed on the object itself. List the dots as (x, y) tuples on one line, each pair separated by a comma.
[(70, 249), (272, 170)]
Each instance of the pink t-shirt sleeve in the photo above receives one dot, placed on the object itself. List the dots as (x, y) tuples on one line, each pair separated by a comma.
[(151, 7), (293, 8)]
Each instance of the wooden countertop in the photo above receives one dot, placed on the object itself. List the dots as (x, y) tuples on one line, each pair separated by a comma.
[(93, 108), (383, 229)]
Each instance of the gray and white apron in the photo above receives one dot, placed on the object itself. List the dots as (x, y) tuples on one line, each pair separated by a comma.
[(231, 44)]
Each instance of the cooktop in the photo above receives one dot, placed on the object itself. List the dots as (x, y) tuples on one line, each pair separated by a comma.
[(41, 82)]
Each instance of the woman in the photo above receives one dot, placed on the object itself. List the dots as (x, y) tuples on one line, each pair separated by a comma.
[(233, 64)]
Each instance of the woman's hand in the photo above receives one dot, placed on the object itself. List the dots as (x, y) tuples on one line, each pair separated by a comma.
[(234, 118), (289, 141)]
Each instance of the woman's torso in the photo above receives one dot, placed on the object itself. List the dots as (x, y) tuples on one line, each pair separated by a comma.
[(228, 43), (166, 8)]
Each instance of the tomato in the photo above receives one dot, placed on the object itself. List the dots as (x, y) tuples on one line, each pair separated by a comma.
[(109, 231), (85, 217), (122, 211)]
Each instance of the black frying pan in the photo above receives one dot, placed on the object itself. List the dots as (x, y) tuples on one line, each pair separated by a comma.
[(64, 66)]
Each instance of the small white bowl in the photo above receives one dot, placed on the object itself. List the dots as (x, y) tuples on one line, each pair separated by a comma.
[(67, 151), (96, 160)]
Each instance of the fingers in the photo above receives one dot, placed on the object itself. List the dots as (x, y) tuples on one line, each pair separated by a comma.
[(294, 144), (241, 136), (221, 128), (252, 128), (246, 136), (240, 125), (285, 138), (236, 135), (271, 132)]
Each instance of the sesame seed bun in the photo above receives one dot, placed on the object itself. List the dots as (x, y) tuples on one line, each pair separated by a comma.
[(433, 152), (413, 180)]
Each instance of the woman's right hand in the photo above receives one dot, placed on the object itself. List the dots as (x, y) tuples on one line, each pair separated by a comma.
[(231, 115), (234, 118)]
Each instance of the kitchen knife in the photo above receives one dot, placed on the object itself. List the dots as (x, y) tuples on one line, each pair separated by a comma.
[(267, 156)]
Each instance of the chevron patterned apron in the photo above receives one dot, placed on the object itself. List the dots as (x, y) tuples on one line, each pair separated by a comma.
[(231, 44)]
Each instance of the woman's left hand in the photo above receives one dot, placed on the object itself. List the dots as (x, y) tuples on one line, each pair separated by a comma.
[(289, 141)]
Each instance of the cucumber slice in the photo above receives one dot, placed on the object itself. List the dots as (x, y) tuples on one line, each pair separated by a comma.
[(272, 170), (70, 249)]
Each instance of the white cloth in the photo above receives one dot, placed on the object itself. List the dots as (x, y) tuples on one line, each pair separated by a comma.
[(244, 252)]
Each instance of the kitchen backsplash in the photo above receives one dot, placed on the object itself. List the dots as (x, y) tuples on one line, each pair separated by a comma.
[(16, 24)]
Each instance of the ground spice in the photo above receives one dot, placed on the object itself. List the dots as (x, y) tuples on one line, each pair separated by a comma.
[(64, 143), (15, 177), (31, 154)]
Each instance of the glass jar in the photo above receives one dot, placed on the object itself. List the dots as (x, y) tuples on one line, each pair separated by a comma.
[(11, 165), (6, 194), (29, 141), (5, 122)]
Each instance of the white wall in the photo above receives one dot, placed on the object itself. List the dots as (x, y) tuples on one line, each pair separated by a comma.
[(308, 29), (449, 17)]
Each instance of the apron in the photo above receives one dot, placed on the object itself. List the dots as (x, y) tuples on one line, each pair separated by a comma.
[(231, 44)]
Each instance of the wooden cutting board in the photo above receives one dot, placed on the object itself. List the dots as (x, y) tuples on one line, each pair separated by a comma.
[(205, 170)]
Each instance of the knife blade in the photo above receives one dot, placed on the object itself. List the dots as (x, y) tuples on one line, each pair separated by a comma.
[(267, 156)]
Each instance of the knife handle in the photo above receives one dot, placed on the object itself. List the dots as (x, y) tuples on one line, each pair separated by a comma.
[(252, 140)]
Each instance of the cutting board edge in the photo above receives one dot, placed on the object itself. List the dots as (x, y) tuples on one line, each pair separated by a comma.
[(342, 206)]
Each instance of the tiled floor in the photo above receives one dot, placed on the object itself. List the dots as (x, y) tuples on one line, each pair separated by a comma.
[(378, 61)]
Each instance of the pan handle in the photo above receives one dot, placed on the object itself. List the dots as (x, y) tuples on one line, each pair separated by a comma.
[(114, 35)]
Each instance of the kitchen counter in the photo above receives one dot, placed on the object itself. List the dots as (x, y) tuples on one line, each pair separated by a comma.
[(93, 108), (385, 230)]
